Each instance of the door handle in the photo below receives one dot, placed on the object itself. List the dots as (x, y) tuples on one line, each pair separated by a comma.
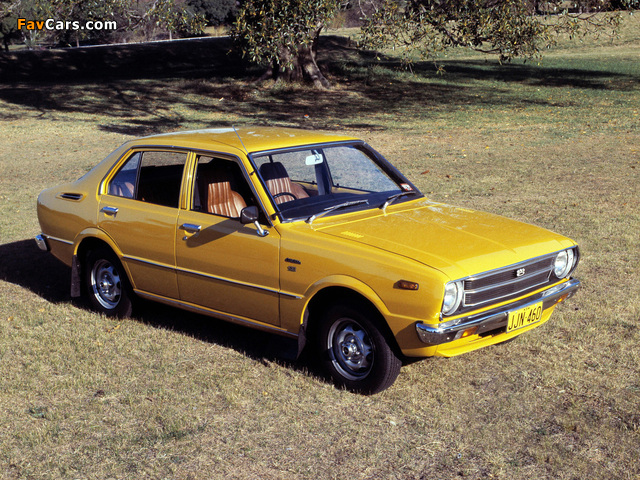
[(109, 210), (191, 228)]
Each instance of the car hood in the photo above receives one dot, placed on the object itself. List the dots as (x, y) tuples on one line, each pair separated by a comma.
[(457, 241)]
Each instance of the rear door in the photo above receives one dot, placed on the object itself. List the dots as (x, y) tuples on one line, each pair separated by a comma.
[(139, 211)]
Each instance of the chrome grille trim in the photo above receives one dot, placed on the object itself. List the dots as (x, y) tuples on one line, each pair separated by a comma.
[(527, 274), (502, 283)]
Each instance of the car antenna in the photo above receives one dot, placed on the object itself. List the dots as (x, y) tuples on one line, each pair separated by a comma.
[(241, 142)]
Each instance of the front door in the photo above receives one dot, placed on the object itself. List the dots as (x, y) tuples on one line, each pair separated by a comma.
[(222, 264)]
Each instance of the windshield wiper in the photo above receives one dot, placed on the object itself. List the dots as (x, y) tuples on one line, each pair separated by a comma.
[(393, 198), (333, 208)]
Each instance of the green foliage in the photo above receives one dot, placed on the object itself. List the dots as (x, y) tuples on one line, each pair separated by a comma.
[(274, 32), (11, 10), (175, 19), (8, 21), (504, 27), (131, 16), (508, 28), (279, 33), (216, 12), (81, 11)]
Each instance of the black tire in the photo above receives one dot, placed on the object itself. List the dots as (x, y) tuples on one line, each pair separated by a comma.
[(106, 284), (354, 351)]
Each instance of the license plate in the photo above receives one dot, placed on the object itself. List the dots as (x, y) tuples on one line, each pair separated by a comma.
[(524, 317)]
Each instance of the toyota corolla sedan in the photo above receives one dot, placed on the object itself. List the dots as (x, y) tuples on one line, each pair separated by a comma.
[(308, 235)]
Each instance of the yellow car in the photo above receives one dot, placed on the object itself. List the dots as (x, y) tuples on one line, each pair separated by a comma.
[(308, 235)]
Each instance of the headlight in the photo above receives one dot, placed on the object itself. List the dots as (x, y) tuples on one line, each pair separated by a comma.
[(452, 297), (564, 263)]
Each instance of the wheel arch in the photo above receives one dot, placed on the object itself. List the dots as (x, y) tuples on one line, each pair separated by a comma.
[(334, 293), (86, 241)]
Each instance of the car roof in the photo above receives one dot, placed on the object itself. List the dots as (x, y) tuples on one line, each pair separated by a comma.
[(254, 139)]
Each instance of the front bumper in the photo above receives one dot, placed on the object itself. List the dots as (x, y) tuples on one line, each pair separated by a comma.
[(493, 320)]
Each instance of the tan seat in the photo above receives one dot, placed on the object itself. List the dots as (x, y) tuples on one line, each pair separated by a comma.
[(124, 189), (279, 183), (216, 193)]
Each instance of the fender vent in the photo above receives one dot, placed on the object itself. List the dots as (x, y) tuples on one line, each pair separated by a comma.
[(71, 196)]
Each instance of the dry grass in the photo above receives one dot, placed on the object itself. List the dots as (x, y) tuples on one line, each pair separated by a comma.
[(174, 395)]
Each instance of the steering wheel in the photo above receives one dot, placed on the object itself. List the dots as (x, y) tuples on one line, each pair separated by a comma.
[(284, 193)]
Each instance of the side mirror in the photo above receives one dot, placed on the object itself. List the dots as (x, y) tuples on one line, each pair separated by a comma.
[(250, 215)]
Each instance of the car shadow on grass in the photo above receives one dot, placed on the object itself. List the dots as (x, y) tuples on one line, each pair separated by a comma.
[(23, 264)]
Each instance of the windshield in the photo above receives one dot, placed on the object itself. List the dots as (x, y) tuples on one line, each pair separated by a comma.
[(309, 182)]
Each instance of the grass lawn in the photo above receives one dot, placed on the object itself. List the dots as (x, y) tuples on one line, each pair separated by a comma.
[(170, 395)]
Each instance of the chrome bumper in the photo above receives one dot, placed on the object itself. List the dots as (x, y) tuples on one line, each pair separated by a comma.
[(41, 240), (492, 319)]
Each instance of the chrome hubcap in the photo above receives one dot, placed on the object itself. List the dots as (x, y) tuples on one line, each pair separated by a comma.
[(351, 349), (106, 285)]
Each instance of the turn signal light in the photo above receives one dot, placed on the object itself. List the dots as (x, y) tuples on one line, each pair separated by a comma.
[(406, 285), (468, 332)]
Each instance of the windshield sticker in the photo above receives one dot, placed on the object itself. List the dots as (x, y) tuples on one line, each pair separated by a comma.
[(406, 187)]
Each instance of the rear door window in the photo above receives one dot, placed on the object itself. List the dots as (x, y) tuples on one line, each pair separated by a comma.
[(152, 177)]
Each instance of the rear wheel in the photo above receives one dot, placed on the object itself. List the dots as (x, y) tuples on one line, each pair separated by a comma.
[(106, 284), (354, 351)]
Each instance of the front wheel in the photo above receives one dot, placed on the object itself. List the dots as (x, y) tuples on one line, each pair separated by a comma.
[(354, 352), (106, 284)]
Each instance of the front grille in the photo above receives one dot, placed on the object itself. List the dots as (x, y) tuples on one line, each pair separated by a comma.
[(509, 282)]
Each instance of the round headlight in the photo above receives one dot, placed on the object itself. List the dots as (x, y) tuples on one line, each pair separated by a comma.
[(452, 297), (563, 263)]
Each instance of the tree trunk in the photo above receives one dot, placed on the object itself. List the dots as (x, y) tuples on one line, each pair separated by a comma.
[(307, 59), (303, 65)]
